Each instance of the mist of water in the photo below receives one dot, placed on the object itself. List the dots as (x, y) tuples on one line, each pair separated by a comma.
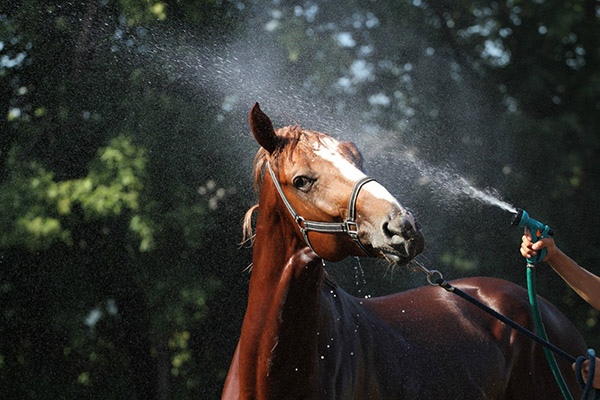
[(242, 72), (230, 73), (239, 73), (454, 185), (405, 169), (228, 77)]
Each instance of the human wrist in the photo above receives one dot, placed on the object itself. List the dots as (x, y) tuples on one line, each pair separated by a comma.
[(558, 260), (554, 255)]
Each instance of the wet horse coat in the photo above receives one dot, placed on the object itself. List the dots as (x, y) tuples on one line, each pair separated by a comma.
[(305, 338)]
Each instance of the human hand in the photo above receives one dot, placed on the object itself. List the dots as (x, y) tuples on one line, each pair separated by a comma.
[(585, 367), (529, 249)]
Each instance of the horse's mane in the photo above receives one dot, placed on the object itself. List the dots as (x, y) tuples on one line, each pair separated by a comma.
[(290, 137)]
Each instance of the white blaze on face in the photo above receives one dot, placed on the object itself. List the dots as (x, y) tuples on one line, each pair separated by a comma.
[(330, 153)]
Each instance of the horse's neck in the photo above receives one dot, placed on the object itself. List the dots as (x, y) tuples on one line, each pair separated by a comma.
[(279, 339)]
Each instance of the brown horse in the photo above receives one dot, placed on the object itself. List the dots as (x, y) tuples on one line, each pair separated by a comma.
[(305, 338)]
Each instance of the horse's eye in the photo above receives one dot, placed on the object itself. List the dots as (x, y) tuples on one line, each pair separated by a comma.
[(302, 182)]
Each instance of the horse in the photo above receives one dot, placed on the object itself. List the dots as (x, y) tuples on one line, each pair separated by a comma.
[(303, 337)]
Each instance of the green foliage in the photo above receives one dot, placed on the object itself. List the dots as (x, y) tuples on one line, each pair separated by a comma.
[(139, 12), (37, 210)]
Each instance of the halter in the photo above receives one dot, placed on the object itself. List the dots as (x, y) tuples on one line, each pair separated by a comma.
[(349, 226)]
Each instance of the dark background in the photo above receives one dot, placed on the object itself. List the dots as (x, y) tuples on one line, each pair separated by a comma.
[(126, 158)]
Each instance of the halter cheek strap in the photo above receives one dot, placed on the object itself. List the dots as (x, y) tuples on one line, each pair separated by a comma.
[(349, 226)]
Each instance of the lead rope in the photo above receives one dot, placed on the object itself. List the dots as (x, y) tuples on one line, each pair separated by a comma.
[(587, 388), (435, 278)]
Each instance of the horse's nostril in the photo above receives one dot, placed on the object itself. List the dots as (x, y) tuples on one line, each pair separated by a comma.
[(400, 227), (386, 230), (393, 232)]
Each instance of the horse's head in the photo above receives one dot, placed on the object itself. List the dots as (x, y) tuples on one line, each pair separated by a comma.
[(338, 210)]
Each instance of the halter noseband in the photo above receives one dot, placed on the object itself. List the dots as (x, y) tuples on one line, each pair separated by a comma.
[(349, 226)]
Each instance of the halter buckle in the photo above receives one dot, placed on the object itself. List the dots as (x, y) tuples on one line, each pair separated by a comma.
[(301, 223), (351, 228)]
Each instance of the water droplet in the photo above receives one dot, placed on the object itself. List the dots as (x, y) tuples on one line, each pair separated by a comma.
[(322, 357), (351, 353), (359, 277)]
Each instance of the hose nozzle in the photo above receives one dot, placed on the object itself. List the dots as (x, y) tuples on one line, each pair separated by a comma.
[(516, 221), (537, 229)]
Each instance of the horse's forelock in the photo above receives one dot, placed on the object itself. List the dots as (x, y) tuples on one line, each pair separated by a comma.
[(295, 137)]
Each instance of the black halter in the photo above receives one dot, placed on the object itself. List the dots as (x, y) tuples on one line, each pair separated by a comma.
[(349, 226)]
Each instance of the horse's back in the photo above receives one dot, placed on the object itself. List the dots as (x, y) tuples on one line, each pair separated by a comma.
[(473, 352)]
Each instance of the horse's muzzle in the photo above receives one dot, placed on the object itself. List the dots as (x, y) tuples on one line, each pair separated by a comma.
[(403, 236)]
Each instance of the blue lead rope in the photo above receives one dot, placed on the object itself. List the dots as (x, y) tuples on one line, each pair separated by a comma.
[(587, 388)]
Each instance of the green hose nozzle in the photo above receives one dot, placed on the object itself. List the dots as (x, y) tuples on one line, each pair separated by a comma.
[(537, 229)]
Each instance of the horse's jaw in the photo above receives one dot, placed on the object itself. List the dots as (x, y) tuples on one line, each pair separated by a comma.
[(395, 259), (404, 252)]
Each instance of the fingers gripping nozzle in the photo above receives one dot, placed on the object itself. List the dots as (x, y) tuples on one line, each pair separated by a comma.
[(537, 229)]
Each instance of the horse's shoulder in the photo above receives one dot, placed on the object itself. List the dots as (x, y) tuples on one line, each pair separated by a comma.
[(488, 286)]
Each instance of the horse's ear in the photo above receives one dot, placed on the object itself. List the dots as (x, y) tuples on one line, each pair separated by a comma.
[(262, 128), (350, 150)]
